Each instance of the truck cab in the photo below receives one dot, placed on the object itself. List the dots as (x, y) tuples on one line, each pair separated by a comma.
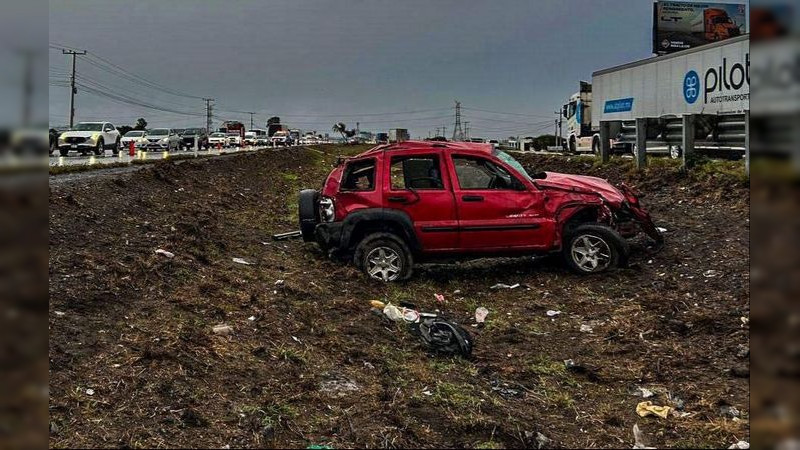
[(718, 25)]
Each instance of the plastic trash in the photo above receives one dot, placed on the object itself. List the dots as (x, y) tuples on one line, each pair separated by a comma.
[(439, 298), (480, 314), (552, 313), (638, 438), (222, 330), (743, 445), (646, 393), (586, 328), (505, 286), (163, 252), (393, 313), (647, 408), (242, 261)]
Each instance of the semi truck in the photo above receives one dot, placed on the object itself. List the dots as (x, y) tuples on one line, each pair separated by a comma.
[(579, 135), (398, 135)]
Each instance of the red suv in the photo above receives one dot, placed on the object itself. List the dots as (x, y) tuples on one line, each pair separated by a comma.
[(412, 201)]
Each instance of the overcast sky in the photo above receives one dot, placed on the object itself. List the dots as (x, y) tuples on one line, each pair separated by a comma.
[(317, 62)]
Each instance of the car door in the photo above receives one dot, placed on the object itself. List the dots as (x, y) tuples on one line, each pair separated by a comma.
[(417, 185), (108, 134), (496, 210)]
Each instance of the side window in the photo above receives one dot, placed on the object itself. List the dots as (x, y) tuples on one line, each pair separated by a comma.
[(359, 176), (108, 127), (479, 173), (416, 172)]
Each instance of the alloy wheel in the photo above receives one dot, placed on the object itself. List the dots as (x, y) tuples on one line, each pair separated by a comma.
[(591, 253), (383, 263)]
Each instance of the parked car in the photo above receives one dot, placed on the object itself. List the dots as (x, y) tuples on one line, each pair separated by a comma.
[(194, 137), (135, 136), (414, 201), (234, 139), (262, 140), (162, 139), (84, 137), (218, 139), (280, 138)]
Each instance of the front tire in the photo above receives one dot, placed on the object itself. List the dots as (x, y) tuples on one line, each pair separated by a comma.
[(100, 148), (596, 146), (594, 248), (384, 257)]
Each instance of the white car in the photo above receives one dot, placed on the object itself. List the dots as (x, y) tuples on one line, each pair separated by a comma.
[(135, 136), (280, 138), (218, 139), (250, 138), (90, 136), (162, 139), (235, 139)]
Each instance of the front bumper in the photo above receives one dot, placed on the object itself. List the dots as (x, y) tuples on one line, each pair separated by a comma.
[(156, 145), (83, 145), (640, 215)]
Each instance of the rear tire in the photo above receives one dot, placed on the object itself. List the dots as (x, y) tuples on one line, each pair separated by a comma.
[(308, 213), (594, 248), (596, 146), (117, 148), (384, 257), (573, 145), (675, 151)]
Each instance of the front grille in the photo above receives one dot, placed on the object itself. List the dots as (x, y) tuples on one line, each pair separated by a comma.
[(75, 140)]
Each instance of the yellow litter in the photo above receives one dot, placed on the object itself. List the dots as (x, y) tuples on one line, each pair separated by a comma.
[(648, 408), (377, 304)]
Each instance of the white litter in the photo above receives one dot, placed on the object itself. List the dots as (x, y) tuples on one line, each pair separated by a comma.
[(743, 445), (646, 393), (163, 252), (661, 229), (505, 286), (242, 261), (59, 313), (90, 392), (552, 313), (251, 318), (480, 314), (222, 330), (586, 328)]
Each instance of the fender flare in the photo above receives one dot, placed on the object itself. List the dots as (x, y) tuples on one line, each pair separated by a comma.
[(382, 218)]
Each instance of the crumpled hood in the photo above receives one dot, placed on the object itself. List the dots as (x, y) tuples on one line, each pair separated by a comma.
[(582, 184)]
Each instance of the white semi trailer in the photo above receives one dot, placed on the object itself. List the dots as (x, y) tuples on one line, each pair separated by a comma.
[(709, 83)]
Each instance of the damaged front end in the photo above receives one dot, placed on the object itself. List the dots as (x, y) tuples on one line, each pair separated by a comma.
[(631, 213)]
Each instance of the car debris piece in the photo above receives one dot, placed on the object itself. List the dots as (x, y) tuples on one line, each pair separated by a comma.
[(289, 235), (505, 286), (163, 252), (647, 408), (480, 314), (222, 330), (242, 261), (437, 333), (552, 313)]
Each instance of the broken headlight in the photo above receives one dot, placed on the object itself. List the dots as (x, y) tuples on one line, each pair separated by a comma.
[(327, 212)]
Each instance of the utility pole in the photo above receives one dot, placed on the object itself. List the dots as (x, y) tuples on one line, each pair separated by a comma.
[(27, 85), (466, 130), (444, 131), (458, 133), (209, 106), (251, 119), (73, 90)]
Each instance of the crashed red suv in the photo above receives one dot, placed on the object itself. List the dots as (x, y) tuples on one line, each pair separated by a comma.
[(413, 201)]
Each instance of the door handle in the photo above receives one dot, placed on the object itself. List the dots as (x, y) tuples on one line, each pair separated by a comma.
[(472, 198), (398, 199)]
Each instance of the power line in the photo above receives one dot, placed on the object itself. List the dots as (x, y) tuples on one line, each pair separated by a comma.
[(507, 113)]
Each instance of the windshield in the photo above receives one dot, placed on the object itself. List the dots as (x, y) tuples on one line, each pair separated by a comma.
[(158, 132), (217, 134), (508, 159), (192, 131), (88, 127), (134, 134)]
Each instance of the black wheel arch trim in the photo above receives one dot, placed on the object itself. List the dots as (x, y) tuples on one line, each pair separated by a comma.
[(381, 217)]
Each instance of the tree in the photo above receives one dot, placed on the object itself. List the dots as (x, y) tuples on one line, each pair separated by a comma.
[(341, 128), (141, 124), (273, 120), (123, 130), (543, 141)]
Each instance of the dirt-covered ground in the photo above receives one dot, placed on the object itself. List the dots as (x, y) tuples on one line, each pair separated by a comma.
[(134, 361)]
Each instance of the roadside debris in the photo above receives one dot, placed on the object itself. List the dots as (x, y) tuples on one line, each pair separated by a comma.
[(729, 411), (661, 229), (222, 330), (339, 386), (439, 298), (505, 390), (744, 351), (646, 393), (552, 313), (480, 314), (541, 440), (437, 333), (638, 438), (163, 252), (59, 313), (647, 408), (90, 391), (289, 235), (743, 445), (711, 273), (505, 286), (586, 328), (242, 261)]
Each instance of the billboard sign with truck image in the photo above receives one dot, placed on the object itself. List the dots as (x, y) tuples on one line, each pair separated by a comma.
[(679, 25)]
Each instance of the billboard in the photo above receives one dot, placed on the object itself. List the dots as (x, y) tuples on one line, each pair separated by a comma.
[(678, 25)]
